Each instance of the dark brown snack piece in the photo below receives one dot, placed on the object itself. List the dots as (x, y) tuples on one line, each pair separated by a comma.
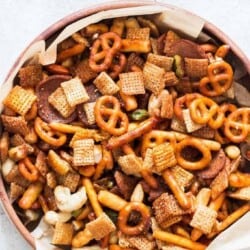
[(30, 75), (215, 166), (43, 91)]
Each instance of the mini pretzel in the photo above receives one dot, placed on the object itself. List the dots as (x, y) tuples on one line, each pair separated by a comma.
[(48, 135), (193, 165), (114, 114), (117, 67), (28, 170), (219, 79), (237, 126), (184, 102), (124, 214), (102, 54)]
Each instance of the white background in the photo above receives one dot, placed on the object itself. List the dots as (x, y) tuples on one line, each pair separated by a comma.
[(22, 20)]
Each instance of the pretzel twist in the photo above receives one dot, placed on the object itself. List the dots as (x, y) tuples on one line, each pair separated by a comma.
[(28, 170), (102, 53), (117, 68)]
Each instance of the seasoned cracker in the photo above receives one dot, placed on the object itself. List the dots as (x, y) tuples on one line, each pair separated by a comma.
[(167, 106), (101, 226), (132, 83), (138, 33), (89, 111), (163, 157), (51, 179), (75, 91), (30, 75), (16, 140), (20, 100), (63, 234), (153, 78), (15, 124), (204, 219), (170, 79), (219, 184), (141, 242), (105, 84), (196, 68), (70, 180), (171, 220), (83, 154), (161, 61), (130, 164), (59, 101)]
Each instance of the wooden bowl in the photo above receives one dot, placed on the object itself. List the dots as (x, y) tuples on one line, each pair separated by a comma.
[(208, 27)]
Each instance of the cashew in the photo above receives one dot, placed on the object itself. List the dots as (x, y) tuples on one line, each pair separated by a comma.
[(52, 217), (67, 202), (7, 166)]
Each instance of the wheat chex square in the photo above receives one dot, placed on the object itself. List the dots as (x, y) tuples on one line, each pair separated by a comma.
[(105, 84)]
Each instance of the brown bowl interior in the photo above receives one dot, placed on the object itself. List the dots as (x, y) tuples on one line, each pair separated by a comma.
[(48, 33)]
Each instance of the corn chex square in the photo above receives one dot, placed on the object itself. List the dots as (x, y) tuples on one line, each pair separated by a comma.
[(20, 100), (101, 226), (148, 159), (130, 164), (132, 83), (163, 157), (70, 180), (75, 91), (63, 234), (59, 101), (138, 33), (89, 111), (204, 219), (105, 84), (153, 78), (170, 79), (161, 61), (191, 126), (196, 68), (83, 152), (182, 176)]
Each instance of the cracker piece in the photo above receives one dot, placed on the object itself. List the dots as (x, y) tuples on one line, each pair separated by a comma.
[(204, 219), (20, 100), (241, 194), (70, 180), (132, 83), (134, 60), (153, 78), (138, 33), (148, 162), (183, 177), (178, 125), (123, 240), (166, 206), (84, 72), (83, 154), (191, 126), (59, 101), (170, 79), (219, 184), (105, 84), (51, 179), (30, 75), (15, 124), (196, 68), (41, 163), (171, 220), (141, 242), (63, 234), (154, 45), (15, 191), (16, 140), (89, 111), (131, 164), (167, 106), (161, 61), (204, 132), (75, 91), (163, 157), (101, 226)]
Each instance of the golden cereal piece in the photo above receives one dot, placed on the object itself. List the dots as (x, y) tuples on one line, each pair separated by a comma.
[(148, 162), (204, 219), (170, 79), (83, 154), (161, 61), (178, 125), (196, 68), (163, 157), (59, 101), (191, 126), (141, 242), (51, 179), (70, 180), (130, 164), (171, 220), (74, 91), (20, 100), (132, 83), (15, 124), (105, 84), (153, 78), (167, 106), (63, 234), (89, 111), (138, 33)]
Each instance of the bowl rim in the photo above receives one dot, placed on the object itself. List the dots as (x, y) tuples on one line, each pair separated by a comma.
[(84, 12)]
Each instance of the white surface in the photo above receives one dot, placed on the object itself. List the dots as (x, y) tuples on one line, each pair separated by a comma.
[(22, 21)]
